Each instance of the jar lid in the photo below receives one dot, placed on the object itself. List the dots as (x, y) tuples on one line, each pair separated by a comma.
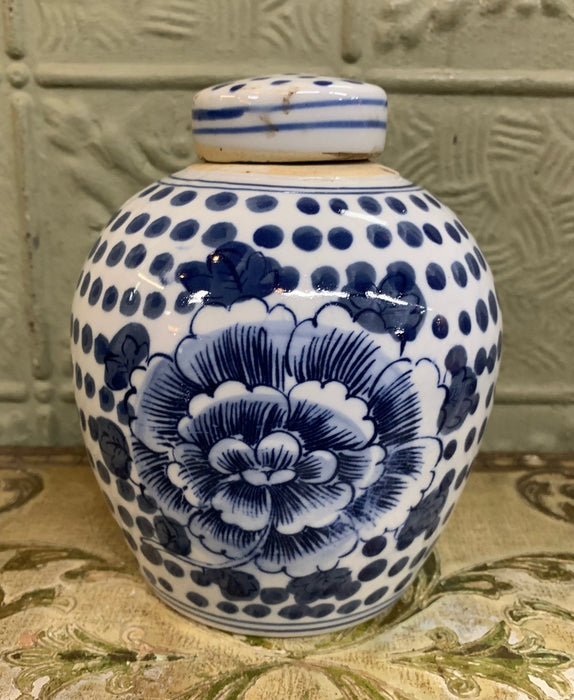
[(289, 118)]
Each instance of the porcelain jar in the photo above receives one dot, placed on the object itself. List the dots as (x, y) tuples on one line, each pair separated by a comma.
[(284, 367)]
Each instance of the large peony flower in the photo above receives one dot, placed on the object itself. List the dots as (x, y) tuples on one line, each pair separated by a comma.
[(283, 443)]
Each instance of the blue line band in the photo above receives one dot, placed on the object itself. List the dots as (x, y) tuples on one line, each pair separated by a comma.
[(298, 126), (236, 112)]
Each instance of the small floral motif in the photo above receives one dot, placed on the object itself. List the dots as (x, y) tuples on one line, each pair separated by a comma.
[(277, 442), (235, 271)]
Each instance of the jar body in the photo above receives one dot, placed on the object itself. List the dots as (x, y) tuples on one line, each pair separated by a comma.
[(283, 382)]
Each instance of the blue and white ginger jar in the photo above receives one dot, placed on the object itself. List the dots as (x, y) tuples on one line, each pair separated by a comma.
[(284, 370)]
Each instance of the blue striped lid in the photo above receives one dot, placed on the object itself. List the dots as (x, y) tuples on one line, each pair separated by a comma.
[(288, 118)]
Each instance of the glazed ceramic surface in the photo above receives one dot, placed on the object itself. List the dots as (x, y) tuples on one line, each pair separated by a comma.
[(283, 375)]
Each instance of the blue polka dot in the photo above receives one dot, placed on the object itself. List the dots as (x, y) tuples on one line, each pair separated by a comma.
[(136, 256), (339, 206), (89, 386), (432, 200), (161, 194), (482, 429), (76, 331), (378, 235), (439, 327), (184, 230), (464, 322), (261, 203), (137, 223), (227, 608), (491, 360), (450, 449), (78, 377), (100, 252), (184, 303), (340, 238), (182, 198), (110, 298), (375, 596), (287, 279), (308, 205), (480, 258), (374, 546), (85, 285), (112, 218), (234, 88), (481, 313), (158, 227), (268, 236), (396, 205), (256, 610), (455, 359), (307, 238), (452, 232), (480, 361), (322, 82), (95, 292), (499, 345), (349, 607), (435, 276), (432, 233), (106, 399), (463, 232), (279, 82), (87, 338), (120, 221), (370, 205), (459, 274), (418, 202), (221, 201), (372, 570), (130, 302), (398, 566), (493, 306), (161, 264), (83, 422), (219, 233), (93, 248), (469, 439), (116, 254), (410, 234), (154, 305), (148, 190), (489, 396), (325, 279), (472, 265)]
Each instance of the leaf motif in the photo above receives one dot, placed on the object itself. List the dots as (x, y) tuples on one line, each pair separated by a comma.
[(18, 486), (492, 657)]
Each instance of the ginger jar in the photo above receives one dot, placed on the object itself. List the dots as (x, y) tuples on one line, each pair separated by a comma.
[(285, 357)]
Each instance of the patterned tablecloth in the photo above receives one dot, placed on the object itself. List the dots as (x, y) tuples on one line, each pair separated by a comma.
[(491, 615)]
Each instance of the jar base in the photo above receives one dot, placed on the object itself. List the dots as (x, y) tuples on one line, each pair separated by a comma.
[(273, 627)]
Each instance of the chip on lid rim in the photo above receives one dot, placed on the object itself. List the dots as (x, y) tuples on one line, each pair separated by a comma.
[(289, 118)]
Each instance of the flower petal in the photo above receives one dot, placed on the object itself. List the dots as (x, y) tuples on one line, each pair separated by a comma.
[(193, 475), (335, 352), (247, 415), (408, 472), (243, 504), (279, 450), (327, 418), (362, 468), (307, 551), (231, 455), (245, 343), (317, 467), (220, 538), (297, 505), (161, 398)]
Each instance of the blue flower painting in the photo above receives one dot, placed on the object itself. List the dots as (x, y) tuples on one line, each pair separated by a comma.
[(282, 442)]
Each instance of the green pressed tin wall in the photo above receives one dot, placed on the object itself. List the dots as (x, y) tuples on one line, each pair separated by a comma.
[(94, 103)]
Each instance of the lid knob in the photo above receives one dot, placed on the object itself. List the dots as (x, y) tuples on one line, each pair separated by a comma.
[(289, 118)]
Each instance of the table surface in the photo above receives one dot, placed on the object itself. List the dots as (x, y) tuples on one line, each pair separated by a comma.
[(491, 615)]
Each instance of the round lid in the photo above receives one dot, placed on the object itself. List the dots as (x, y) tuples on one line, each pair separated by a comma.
[(289, 118)]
